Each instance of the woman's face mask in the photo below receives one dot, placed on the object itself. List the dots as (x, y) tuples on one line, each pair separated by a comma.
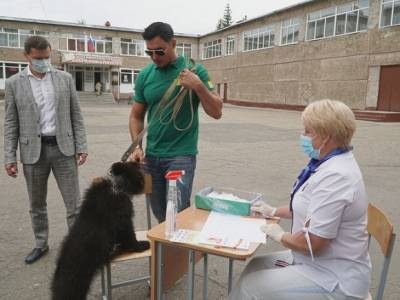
[(41, 65), (306, 145)]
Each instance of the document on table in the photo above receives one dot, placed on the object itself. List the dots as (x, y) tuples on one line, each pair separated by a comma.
[(233, 228)]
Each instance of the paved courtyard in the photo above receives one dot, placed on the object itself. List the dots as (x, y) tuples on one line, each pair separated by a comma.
[(249, 149)]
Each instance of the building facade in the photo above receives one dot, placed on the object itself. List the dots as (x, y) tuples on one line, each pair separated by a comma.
[(338, 49), (344, 50), (109, 55)]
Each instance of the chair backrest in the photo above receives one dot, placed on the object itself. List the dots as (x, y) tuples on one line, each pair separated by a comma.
[(381, 229), (147, 184), (148, 187)]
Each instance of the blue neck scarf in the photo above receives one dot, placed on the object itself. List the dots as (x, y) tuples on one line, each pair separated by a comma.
[(312, 165)]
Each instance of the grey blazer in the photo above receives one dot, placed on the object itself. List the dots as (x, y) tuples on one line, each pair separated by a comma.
[(21, 122)]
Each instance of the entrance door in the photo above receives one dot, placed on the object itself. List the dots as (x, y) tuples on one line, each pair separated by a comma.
[(79, 80), (97, 78), (389, 88)]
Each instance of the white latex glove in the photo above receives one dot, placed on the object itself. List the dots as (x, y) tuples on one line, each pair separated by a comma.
[(264, 209), (274, 231)]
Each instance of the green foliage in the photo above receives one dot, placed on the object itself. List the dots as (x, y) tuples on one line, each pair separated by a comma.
[(226, 20)]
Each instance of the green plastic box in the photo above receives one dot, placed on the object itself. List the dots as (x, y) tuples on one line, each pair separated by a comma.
[(242, 208)]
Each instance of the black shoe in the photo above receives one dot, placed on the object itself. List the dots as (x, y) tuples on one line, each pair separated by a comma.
[(36, 254)]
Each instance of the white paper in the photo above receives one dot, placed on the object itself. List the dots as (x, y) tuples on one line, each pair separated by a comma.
[(225, 242), (233, 227), (185, 236)]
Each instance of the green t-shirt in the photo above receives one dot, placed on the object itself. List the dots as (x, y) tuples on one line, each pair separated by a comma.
[(163, 139)]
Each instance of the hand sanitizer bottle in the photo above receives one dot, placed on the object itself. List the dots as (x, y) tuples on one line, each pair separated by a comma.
[(172, 202)]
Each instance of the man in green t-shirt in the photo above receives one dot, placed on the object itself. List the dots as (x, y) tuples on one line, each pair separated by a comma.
[(171, 141)]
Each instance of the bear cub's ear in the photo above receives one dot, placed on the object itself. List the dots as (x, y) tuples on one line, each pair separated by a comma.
[(118, 168)]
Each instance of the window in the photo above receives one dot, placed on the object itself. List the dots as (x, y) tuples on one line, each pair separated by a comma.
[(15, 38), (128, 76), (259, 38), (290, 31), (348, 18), (320, 24), (184, 49), (390, 13), (9, 37), (229, 45), (99, 44), (76, 44), (9, 69), (86, 43), (132, 47), (212, 49), (352, 17)]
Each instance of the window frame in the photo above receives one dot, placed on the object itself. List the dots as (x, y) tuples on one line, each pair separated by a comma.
[(136, 44), (212, 49), (391, 15), (294, 24), (230, 45), (182, 48), (256, 38), (18, 33), (335, 12)]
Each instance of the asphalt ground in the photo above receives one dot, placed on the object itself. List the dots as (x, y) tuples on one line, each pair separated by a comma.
[(248, 149)]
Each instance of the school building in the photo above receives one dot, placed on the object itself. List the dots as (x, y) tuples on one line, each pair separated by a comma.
[(337, 49)]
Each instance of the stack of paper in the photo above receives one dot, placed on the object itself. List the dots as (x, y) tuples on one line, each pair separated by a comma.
[(222, 230)]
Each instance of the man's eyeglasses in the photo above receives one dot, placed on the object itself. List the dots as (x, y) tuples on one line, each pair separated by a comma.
[(159, 52)]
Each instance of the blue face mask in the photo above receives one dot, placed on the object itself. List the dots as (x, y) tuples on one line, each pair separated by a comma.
[(41, 65), (306, 145)]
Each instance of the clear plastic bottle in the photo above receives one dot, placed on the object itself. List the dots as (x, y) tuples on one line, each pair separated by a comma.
[(173, 196)]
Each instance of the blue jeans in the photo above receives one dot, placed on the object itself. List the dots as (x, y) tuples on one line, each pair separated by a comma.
[(158, 167)]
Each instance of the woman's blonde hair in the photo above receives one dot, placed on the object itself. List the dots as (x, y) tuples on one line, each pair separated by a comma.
[(331, 118)]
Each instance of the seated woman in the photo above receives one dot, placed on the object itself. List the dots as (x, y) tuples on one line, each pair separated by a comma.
[(328, 256)]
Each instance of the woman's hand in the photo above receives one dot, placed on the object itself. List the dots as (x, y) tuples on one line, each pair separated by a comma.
[(274, 231), (264, 209)]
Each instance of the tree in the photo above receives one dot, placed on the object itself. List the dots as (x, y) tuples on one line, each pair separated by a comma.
[(226, 20)]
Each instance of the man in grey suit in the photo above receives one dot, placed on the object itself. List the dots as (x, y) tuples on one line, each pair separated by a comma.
[(42, 113)]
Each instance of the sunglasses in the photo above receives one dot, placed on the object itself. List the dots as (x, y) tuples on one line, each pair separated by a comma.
[(159, 52)]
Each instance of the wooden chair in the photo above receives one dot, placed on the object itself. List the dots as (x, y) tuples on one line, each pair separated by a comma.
[(106, 281), (381, 229)]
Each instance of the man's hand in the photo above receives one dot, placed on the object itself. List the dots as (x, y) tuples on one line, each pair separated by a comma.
[(274, 231), (137, 155), (190, 80), (264, 209), (81, 158), (12, 169)]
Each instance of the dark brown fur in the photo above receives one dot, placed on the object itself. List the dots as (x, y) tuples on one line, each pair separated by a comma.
[(102, 229)]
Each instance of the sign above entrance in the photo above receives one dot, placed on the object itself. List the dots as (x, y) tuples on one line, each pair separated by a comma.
[(90, 59)]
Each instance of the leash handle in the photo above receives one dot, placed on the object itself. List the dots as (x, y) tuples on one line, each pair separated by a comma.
[(132, 147)]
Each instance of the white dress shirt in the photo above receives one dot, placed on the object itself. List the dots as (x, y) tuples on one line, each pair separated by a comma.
[(43, 92), (334, 201)]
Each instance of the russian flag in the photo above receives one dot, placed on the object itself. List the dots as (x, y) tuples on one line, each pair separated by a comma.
[(90, 44)]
